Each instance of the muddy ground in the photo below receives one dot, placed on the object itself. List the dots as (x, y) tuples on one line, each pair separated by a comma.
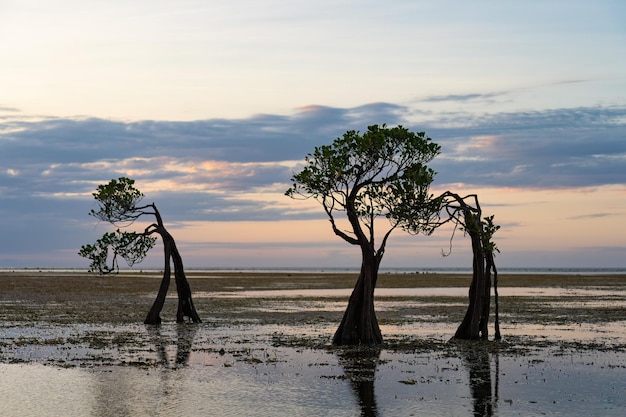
[(74, 344), (35, 299), (76, 297)]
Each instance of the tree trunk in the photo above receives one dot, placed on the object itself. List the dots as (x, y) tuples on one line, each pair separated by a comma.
[(497, 335), (474, 324), (154, 315), (359, 325), (185, 302)]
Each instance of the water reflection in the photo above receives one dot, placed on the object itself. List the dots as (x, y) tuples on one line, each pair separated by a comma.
[(185, 334), (613, 292), (359, 365), (484, 390)]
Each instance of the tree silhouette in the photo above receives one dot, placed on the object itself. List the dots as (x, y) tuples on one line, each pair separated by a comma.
[(119, 205), (368, 177), (465, 213)]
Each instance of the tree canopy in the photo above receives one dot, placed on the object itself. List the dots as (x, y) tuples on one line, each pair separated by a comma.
[(367, 177), (118, 204)]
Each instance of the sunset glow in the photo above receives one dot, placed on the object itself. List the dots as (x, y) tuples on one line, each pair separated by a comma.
[(212, 108)]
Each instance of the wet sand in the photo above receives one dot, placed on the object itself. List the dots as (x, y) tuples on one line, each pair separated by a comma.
[(78, 297), (74, 344)]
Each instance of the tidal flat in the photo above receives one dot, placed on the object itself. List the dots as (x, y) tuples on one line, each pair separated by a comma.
[(72, 344)]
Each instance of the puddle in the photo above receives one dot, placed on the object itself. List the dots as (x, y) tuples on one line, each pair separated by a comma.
[(414, 292)]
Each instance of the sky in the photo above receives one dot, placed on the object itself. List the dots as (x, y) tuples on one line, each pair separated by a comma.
[(212, 106)]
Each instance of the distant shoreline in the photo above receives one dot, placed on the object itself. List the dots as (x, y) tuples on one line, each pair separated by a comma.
[(21, 282), (339, 270)]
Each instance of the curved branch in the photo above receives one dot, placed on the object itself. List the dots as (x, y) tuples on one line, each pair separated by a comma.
[(337, 231)]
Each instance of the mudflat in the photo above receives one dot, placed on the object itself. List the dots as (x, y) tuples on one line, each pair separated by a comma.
[(263, 347), (79, 297)]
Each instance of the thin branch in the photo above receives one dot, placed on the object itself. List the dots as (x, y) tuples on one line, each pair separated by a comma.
[(383, 243), (336, 230)]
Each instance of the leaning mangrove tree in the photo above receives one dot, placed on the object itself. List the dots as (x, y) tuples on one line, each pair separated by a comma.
[(118, 204), (466, 214)]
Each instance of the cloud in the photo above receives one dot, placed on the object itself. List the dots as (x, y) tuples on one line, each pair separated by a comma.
[(555, 148), (9, 109), (462, 97), (570, 82), (237, 170), (591, 216), (544, 149), (207, 169)]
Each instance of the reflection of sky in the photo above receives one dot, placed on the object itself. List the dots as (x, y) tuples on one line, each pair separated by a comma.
[(305, 382), (419, 292)]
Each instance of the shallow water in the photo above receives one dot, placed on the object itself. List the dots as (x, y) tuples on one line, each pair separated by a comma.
[(227, 368), (301, 382), (416, 292), (238, 370)]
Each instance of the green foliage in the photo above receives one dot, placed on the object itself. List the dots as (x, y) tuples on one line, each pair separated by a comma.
[(375, 174), (118, 201), (132, 247), (485, 229), (489, 229)]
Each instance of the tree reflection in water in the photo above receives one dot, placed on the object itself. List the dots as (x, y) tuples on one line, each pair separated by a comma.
[(476, 358), (184, 340), (359, 365)]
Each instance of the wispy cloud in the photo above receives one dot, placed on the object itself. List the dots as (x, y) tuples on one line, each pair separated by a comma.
[(462, 97), (9, 109), (591, 216)]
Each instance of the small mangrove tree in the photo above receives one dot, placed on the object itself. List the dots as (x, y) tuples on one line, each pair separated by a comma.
[(119, 204)]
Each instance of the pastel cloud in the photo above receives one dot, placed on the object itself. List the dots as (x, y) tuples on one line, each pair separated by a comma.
[(237, 170)]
